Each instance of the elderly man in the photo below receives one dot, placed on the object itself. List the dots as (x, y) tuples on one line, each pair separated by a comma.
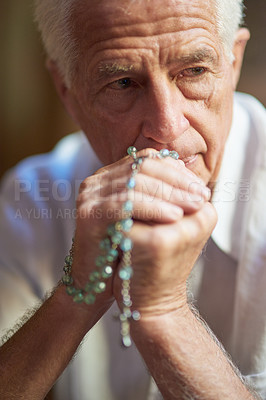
[(159, 76)]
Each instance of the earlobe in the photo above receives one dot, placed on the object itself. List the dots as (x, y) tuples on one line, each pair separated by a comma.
[(241, 39)]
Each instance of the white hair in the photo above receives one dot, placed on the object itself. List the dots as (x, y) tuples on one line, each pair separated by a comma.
[(230, 15), (54, 19)]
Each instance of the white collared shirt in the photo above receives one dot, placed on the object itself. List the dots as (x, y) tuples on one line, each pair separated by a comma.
[(37, 210)]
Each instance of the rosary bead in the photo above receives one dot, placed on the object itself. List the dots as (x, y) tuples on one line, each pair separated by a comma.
[(131, 150), (131, 183), (78, 298), (126, 273), (111, 255), (127, 224), (136, 315), (122, 317), (128, 206), (99, 287), (124, 330), (118, 226), (89, 298), (67, 280), (117, 237), (127, 303), (111, 229), (107, 271), (94, 276), (100, 261), (174, 155), (126, 340), (125, 292), (68, 260), (70, 290), (127, 313), (126, 244), (164, 153)]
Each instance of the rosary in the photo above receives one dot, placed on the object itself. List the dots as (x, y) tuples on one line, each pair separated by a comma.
[(116, 239)]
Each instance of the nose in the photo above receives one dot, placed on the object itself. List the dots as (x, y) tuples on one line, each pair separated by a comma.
[(163, 117)]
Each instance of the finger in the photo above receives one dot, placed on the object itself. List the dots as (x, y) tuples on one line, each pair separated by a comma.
[(118, 206), (190, 200), (152, 179), (175, 174), (176, 164), (192, 229)]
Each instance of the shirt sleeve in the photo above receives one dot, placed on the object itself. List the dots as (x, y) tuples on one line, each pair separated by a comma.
[(258, 383), (34, 238)]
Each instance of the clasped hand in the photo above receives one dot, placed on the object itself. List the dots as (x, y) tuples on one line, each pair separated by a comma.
[(172, 221)]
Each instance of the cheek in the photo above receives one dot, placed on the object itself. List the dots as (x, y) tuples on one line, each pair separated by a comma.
[(212, 120), (110, 134)]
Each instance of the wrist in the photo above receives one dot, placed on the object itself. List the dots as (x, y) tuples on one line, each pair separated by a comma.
[(153, 303), (80, 313), (165, 311), (154, 325)]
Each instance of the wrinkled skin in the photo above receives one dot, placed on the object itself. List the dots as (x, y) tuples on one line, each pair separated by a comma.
[(153, 75)]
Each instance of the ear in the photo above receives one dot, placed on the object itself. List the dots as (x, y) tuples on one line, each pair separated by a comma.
[(241, 38), (66, 94)]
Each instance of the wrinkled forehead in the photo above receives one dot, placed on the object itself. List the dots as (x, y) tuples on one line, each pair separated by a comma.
[(91, 16)]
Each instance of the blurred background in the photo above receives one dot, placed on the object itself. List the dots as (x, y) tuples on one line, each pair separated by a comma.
[(32, 119)]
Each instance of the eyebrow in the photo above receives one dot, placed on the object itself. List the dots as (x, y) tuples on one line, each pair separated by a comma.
[(110, 69), (200, 55)]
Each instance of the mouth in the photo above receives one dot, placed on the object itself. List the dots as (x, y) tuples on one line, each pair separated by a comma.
[(190, 159), (184, 154)]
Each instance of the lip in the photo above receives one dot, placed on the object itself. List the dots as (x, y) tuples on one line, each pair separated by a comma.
[(189, 160)]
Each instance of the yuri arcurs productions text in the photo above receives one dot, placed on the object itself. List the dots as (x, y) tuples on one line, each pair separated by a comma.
[(67, 213)]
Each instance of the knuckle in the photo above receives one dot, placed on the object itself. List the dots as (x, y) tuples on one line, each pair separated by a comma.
[(121, 196), (88, 184), (83, 186)]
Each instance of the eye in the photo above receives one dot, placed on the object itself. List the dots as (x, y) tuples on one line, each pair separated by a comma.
[(193, 72), (122, 84)]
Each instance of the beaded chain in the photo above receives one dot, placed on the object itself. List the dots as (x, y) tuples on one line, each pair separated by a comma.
[(108, 252)]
